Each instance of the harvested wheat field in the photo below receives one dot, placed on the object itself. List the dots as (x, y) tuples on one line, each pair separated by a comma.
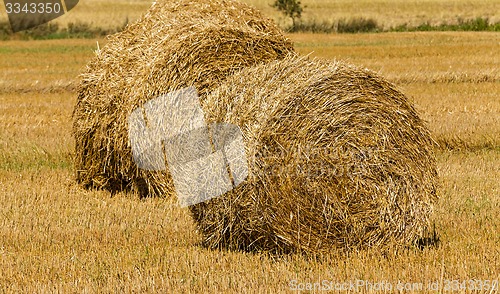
[(338, 158), (174, 45), (58, 238)]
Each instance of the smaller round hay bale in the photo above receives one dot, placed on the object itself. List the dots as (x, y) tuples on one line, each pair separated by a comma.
[(338, 158), (176, 44)]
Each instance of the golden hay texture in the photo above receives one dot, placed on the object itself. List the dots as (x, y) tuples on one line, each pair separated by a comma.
[(174, 45), (337, 156)]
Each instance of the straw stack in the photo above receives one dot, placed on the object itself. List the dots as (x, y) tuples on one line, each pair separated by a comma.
[(337, 156), (176, 44)]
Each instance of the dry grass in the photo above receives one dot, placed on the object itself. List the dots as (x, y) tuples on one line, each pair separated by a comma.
[(466, 117), (48, 67), (35, 130), (55, 236), (413, 57), (390, 13)]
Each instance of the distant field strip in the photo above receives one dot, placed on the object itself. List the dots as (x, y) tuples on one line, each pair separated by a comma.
[(386, 13), (391, 13)]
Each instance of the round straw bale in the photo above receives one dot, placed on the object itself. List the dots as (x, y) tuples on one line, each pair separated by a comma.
[(338, 158), (176, 44)]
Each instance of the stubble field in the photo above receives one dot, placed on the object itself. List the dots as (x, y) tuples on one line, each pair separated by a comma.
[(54, 236)]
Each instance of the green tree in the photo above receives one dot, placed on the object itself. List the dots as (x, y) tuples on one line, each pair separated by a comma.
[(290, 8)]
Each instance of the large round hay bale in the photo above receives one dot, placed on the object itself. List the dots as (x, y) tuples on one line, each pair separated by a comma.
[(337, 158), (176, 44)]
